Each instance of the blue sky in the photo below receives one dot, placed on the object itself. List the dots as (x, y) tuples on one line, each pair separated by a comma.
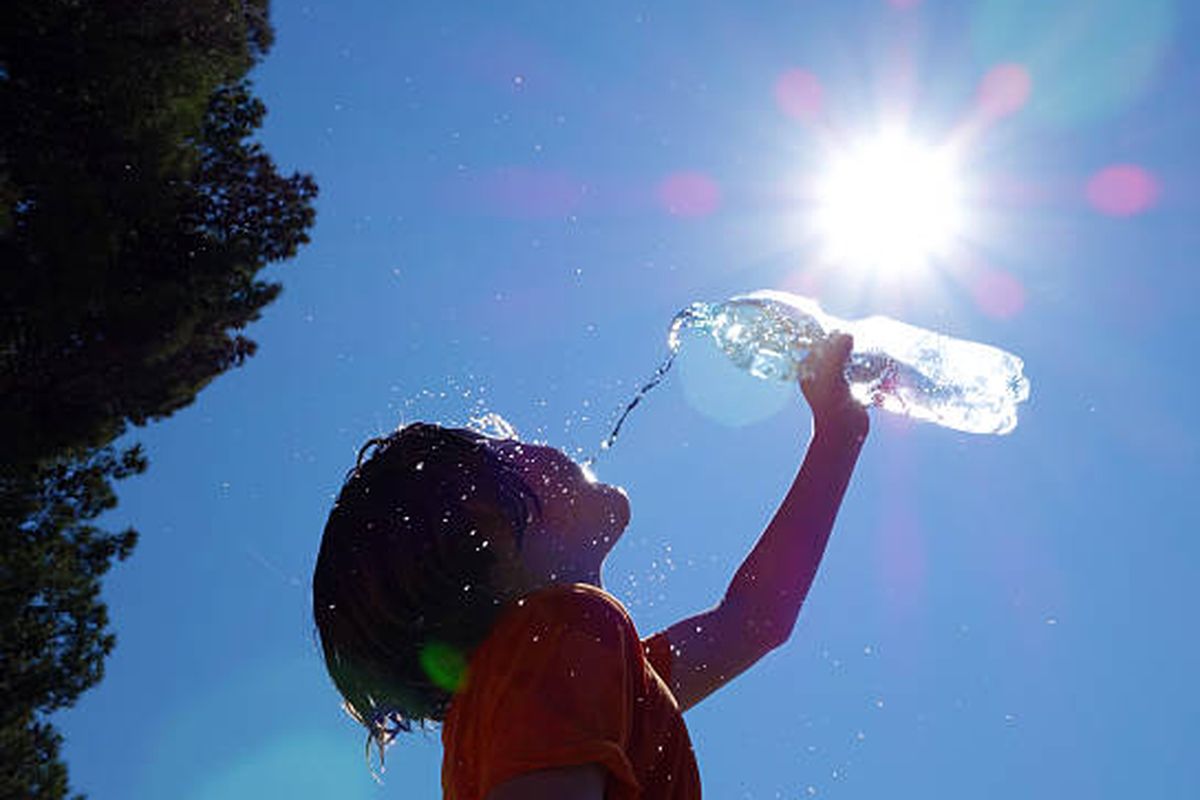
[(516, 199)]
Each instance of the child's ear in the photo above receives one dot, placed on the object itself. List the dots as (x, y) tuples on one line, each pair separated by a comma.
[(493, 531)]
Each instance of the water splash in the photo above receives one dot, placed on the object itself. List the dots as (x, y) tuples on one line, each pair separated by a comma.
[(492, 425), (697, 315)]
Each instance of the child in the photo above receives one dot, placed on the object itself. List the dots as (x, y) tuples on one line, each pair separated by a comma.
[(458, 581)]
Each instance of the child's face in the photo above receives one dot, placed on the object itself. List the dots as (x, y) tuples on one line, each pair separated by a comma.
[(580, 521)]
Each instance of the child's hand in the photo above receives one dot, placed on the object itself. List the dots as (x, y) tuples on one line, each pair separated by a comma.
[(824, 386)]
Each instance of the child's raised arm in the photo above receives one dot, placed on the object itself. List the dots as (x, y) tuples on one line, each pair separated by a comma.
[(763, 600)]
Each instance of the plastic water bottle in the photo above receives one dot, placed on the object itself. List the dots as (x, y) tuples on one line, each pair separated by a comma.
[(900, 368)]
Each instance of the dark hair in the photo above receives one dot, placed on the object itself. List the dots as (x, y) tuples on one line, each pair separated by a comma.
[(401, 588)]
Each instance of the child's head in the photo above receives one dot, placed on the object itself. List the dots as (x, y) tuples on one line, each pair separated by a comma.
[(402, 588), (432, 533)]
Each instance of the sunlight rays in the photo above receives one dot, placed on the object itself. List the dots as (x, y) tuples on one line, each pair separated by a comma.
[(889, 203)]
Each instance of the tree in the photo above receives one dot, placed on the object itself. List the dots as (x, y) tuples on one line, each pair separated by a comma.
[(136, 213), (53, 626)]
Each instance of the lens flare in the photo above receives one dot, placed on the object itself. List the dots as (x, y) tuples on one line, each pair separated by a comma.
[(689, 194), (998, 294), (1004, 90), (798, 94), (444, 665), (1122, 190)]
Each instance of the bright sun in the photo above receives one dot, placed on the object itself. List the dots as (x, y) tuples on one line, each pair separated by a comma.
[(889, 203)]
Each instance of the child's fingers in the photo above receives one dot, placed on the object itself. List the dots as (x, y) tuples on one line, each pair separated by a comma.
[(841, 345), (837, 350), (828, 364), (826, 388)]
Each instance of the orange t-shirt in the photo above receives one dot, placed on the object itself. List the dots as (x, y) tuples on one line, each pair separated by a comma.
[(562, 680)]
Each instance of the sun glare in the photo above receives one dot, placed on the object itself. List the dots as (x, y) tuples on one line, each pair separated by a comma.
[(889, 204)]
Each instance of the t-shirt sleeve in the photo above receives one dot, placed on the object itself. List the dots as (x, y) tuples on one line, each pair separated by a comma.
[(566, 693)]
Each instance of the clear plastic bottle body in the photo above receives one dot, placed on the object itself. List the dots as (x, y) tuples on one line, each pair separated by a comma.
[(966, 386)]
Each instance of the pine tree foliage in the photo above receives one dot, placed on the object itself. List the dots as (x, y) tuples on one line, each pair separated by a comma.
[(53, 625), (136, 214)]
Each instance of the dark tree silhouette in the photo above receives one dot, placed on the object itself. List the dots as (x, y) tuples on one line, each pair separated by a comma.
[(136, 213), (53, 635)]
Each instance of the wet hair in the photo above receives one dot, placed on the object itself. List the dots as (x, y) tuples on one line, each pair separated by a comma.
[(401, 589)]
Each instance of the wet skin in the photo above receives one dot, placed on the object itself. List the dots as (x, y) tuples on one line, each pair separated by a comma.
[(581, 519)]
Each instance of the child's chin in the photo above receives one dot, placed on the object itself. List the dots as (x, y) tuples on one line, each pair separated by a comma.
[(618, 510)]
